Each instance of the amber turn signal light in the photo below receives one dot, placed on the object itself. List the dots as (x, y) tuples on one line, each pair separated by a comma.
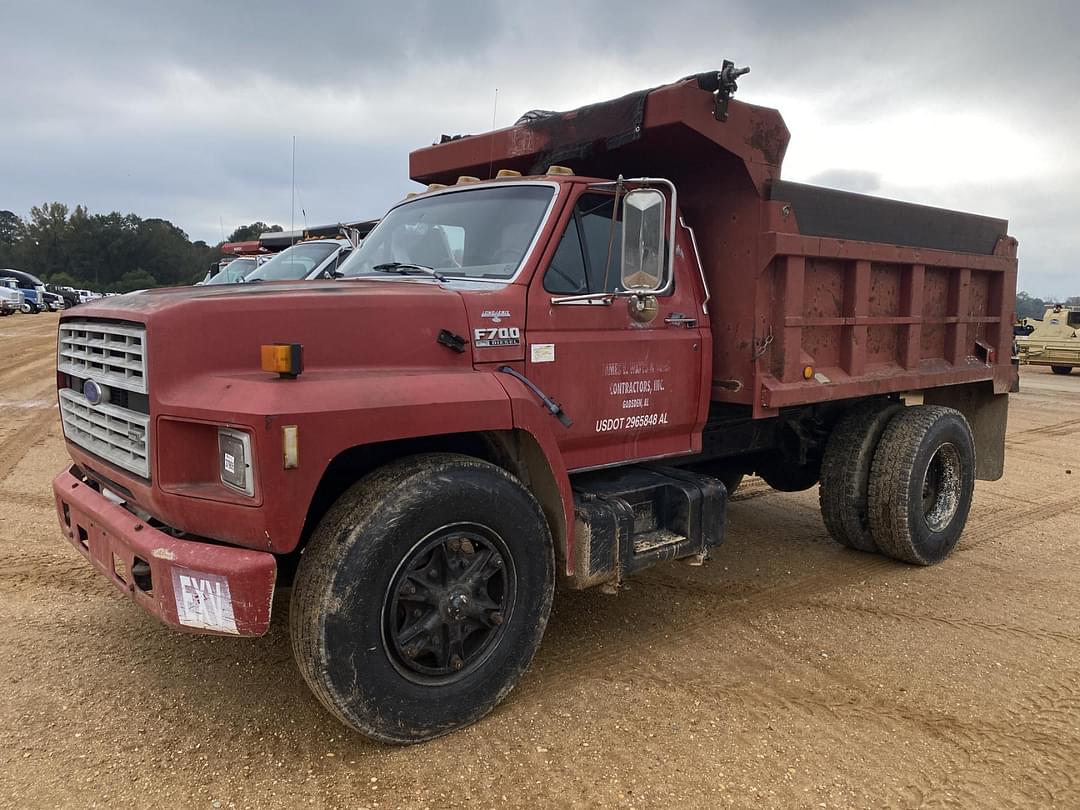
[(808, 372), (283, 359)]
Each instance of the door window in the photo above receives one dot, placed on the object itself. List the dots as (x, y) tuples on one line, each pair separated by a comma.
[(590, 252)]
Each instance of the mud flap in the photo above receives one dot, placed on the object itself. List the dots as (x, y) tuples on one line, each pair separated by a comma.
[(987, 413)]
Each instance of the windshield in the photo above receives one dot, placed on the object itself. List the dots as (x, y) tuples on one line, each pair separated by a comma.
[(294, 263), (482, 233), (233, 272)]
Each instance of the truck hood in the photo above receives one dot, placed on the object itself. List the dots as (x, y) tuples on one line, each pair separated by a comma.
[(197, 332)]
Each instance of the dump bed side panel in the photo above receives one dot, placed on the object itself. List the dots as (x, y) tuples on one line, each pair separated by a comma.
[(862, 318)]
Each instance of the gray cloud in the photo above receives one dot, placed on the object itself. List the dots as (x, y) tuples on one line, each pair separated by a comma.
[(857, 180), (188, 112)]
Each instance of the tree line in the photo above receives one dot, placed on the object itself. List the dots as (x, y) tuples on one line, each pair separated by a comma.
[(1030, 306), (108, 252)]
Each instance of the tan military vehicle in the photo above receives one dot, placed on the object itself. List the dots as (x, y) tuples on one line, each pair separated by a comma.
[(1053, 341)]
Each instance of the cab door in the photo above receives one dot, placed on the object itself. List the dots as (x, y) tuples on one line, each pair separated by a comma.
[(631, 384)]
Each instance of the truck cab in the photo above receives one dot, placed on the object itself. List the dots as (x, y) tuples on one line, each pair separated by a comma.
[(311, 259), (11, 297), (33, 290), (235, 270), (542, 368)]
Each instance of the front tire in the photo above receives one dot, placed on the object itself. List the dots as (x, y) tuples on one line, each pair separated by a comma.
[(422, 597), (921, 484)]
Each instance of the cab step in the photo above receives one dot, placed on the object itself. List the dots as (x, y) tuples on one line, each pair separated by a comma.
[(632, 517)]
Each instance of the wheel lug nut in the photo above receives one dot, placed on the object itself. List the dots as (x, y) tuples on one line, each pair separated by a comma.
[(496, 618), (456, 663), (411, 651), (432, 573), (416, 613), (408, 589), (497, 562)]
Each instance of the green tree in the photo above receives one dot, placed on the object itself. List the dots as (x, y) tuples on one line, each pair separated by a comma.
[(1028, 306), (246, 233), (133, 280), (12, 229), (63, 280)]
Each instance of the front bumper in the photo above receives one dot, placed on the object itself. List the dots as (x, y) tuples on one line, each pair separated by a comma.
[(189, 585)]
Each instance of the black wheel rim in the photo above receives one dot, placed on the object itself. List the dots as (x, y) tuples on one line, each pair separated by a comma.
[(448, 603), (942, 486)]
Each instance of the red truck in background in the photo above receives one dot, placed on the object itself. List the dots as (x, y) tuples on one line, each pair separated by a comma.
[(549, 367)]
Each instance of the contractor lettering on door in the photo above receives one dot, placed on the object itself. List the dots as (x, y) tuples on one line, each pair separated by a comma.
[(203, 601)]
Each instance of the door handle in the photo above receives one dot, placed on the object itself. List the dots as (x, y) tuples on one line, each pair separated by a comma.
[(678, 319)]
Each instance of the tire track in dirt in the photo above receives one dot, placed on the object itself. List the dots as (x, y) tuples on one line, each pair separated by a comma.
[(15, 447), (29, 500), (961, 624), (1066, 428), (27, 370), (981, 743), (989, 531), (695, 624)]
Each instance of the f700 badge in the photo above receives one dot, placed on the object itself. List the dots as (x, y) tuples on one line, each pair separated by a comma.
[(488, 336)]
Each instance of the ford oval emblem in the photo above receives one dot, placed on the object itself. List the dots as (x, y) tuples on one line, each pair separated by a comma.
[(92, 391)]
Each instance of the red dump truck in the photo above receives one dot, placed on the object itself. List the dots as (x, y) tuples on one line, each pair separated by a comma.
[(538, 372)]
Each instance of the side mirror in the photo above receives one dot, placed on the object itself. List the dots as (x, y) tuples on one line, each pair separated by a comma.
[(643, 240)]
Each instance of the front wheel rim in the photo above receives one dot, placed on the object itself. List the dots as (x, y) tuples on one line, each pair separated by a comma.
[(448, 603), (943, 483)]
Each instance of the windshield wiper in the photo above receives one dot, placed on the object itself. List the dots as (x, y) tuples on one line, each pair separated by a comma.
[(403, 268)]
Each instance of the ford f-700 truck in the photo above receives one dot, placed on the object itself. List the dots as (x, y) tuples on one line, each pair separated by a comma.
[(537, 372)]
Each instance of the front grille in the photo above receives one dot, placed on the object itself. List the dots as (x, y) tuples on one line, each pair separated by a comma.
[(111, 353), (116, 434), (114, 356)]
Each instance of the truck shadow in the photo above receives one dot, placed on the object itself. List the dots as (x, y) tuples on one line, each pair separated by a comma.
[(255, 684)]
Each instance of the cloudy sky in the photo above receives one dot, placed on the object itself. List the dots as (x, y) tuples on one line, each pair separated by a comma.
[(187, 111)]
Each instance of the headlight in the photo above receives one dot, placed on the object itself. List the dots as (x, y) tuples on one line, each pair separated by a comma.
[(234, 460)]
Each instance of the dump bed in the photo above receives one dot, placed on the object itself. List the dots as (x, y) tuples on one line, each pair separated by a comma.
[(816, 294)]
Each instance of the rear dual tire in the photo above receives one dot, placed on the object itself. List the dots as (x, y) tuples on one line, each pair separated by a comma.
[(1061, 369), (899, 481), (845, 474), (921, 484)]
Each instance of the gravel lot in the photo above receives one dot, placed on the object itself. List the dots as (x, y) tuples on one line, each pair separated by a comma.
[(787, 673)]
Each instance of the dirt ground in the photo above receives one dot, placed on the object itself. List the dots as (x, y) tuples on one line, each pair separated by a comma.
[(786, 673)]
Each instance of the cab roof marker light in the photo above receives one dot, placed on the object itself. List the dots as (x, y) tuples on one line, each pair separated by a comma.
[(465, 179), (436, 186), (502, 173), (563, 170)]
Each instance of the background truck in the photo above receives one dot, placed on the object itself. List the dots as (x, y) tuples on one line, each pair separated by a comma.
[(11, 297), (542, 376), (33, 290), (1053, 340)]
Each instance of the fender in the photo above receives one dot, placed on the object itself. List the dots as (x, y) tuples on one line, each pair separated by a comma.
[(333, 411), (531, 417)]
